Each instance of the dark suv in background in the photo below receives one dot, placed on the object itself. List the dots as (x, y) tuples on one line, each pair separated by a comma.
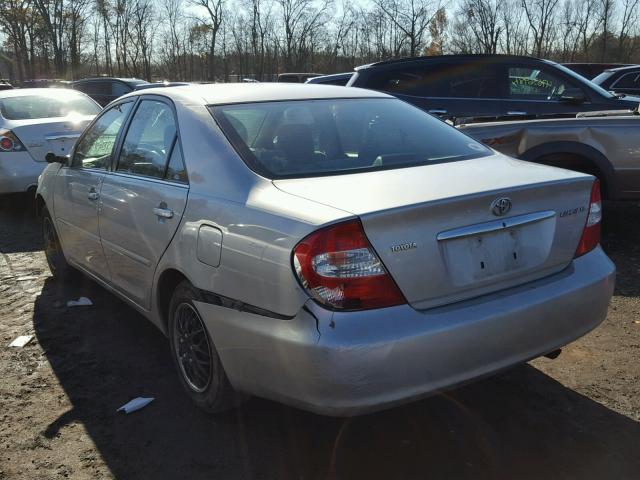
[(105, 89), (488, 86), (620, 80)]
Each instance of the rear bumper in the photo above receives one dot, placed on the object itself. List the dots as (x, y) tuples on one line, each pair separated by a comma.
[(18, 172), (351, 363)]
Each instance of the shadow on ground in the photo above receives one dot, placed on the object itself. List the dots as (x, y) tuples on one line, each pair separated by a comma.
[(522, 424), (19, 230)]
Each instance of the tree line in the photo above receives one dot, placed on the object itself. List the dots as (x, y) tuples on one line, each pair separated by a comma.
[(223, 40)]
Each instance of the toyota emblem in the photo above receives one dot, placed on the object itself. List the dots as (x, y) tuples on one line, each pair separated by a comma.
[(501, 206)]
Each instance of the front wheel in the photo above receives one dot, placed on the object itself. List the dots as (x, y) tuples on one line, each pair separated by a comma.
[(199, 367), (58, 265)]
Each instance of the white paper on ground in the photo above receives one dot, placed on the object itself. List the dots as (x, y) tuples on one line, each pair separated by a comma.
[(21, 341), (135, 404), (81, 302)]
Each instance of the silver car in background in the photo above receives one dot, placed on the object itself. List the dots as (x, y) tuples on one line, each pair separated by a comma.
[(34, 122), (334, 249)]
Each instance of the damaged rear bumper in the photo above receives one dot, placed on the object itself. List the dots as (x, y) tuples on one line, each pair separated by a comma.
[(350, 363)]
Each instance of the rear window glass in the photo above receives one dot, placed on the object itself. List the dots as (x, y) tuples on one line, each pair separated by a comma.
[(50, 106), (322, 137)]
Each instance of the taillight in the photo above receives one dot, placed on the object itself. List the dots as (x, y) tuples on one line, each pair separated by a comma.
[(591, 233), (340, 269), (9, 142)]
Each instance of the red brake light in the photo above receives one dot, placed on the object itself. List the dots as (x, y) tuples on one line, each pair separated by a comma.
[(9, 142), (339, 268), (591, 233), (6, 144)]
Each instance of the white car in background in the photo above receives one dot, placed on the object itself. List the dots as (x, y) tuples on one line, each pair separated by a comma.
[(34, 122)]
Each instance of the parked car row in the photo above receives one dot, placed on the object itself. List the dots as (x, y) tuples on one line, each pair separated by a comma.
[(338, 249)]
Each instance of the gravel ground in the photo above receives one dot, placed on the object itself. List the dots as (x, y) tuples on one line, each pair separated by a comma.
[(573, 417)]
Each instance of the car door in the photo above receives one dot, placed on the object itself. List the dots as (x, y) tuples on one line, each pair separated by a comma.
[(534, 90), (143, 199), (77, 191)]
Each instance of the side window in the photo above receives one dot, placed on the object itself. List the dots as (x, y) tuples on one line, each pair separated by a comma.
[(630, 80), (175, 170), (94, 88), (148, 142), (94, 149), (530, 83), (118, 89), (425, 81), (472, 83)]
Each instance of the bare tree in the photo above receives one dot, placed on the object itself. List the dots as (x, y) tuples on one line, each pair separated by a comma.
[(412, 17), (53, 15), (540, 15), (483, 21), (629, 19), (215, 12)]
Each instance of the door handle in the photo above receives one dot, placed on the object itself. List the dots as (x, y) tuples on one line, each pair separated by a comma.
[(93, 195), (437, 111), (516, 112), (163, 211)]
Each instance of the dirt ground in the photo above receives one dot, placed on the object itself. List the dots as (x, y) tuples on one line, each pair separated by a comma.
[(575, 417)]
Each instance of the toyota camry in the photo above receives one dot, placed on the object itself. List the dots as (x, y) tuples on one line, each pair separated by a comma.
[(334, 249)]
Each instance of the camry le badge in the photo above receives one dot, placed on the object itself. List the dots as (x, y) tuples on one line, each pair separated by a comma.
[(501, 206)]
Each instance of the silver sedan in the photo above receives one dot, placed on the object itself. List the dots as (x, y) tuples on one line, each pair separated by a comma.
[(334, 249)]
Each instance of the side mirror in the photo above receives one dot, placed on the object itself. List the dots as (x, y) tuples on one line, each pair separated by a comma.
[(53, 158), (573, 95)]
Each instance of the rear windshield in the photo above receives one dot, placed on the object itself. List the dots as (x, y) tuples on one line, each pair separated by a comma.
[(323, 137), (58, 104)]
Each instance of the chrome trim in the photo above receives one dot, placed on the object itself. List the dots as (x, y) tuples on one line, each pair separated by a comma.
[(495, 225), (145, 178), (163, 212), (60, 136)]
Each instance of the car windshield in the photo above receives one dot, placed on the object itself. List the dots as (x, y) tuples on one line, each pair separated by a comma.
[(584, 81), (285, 139), (26, 107)]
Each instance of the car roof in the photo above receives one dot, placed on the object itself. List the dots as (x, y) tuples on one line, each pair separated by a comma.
[(111, 79), (21, 92), (225, 93), (623, 69), (450, 57)]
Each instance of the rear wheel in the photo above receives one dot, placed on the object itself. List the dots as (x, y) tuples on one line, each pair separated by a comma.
[(58, 265), (199, 367)]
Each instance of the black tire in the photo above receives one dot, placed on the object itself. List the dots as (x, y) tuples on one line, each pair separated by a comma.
[(60, 269), (199, 368)]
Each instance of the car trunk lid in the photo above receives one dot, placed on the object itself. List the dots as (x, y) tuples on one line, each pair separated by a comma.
[(46, 135), (436, 232)]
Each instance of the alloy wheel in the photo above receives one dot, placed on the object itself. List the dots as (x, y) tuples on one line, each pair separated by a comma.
[(191, 343)]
